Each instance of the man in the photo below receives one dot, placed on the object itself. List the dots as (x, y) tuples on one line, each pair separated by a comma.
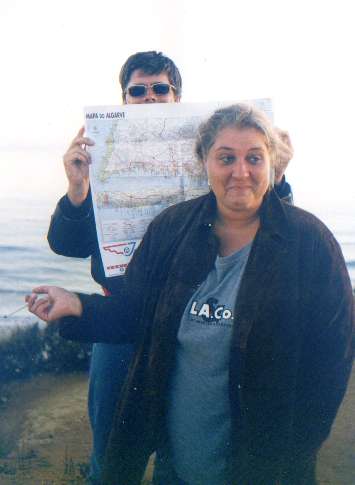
[(146, 77)]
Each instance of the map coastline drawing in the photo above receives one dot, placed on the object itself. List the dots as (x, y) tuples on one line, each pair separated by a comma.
[(142, 162)]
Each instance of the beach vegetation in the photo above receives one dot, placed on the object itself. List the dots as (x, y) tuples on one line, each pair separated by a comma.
[(32, 350)]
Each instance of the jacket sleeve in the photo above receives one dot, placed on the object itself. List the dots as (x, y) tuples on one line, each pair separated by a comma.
[(116, 319), (328, 347), (72, 230)]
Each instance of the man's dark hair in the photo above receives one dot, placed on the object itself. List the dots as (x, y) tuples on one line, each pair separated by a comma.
[(150, 62)]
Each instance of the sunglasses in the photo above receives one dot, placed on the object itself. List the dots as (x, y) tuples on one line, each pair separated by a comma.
[(159, 89)]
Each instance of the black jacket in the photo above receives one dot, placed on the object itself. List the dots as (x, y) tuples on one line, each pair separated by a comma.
[(72, 232), (291, 351)]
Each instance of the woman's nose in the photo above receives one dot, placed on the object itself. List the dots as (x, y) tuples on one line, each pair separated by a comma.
[(240, 169)]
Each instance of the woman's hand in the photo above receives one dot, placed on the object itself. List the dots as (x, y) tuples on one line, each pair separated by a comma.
[(54, 303)]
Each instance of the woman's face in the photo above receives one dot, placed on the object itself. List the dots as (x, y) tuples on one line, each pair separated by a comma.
[(238, 167)]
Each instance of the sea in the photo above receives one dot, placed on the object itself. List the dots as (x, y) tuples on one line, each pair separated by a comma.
[(27, 261)]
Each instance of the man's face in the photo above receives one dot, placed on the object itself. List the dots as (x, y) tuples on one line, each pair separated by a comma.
[(150, 94)]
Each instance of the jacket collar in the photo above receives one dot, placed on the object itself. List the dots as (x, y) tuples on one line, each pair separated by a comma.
[(273, 217)]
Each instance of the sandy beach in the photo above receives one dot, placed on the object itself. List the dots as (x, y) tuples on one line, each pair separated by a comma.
[(46, 440), (45, 432)]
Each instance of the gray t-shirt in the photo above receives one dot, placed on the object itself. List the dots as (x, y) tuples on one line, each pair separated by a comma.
[(199, 410)]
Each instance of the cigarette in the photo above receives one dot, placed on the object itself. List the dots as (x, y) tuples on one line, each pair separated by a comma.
[(20, 308), (15, 311)]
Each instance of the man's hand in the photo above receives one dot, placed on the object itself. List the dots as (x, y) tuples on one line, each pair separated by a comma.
[(56, 303), (284, 154), (76, 163)]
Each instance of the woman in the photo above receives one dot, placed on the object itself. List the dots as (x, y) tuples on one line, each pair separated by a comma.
[(240, 307)]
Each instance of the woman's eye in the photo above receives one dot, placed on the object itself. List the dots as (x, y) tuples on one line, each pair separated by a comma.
[(254, 159), (227, 159)]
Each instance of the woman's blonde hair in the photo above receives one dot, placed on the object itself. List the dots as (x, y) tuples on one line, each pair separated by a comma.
[(240, 116)]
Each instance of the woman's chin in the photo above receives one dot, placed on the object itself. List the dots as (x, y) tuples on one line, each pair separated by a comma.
[(241, 204)]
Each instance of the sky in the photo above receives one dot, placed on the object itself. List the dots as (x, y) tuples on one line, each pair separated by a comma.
[(59, 56)]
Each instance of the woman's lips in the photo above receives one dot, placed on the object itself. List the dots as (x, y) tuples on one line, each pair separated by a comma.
[(238, 187)]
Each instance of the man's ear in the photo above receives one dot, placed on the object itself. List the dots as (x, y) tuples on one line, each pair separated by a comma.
[(177, 99)]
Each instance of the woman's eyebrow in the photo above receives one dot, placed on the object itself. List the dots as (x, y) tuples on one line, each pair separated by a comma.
[(223, 147)]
